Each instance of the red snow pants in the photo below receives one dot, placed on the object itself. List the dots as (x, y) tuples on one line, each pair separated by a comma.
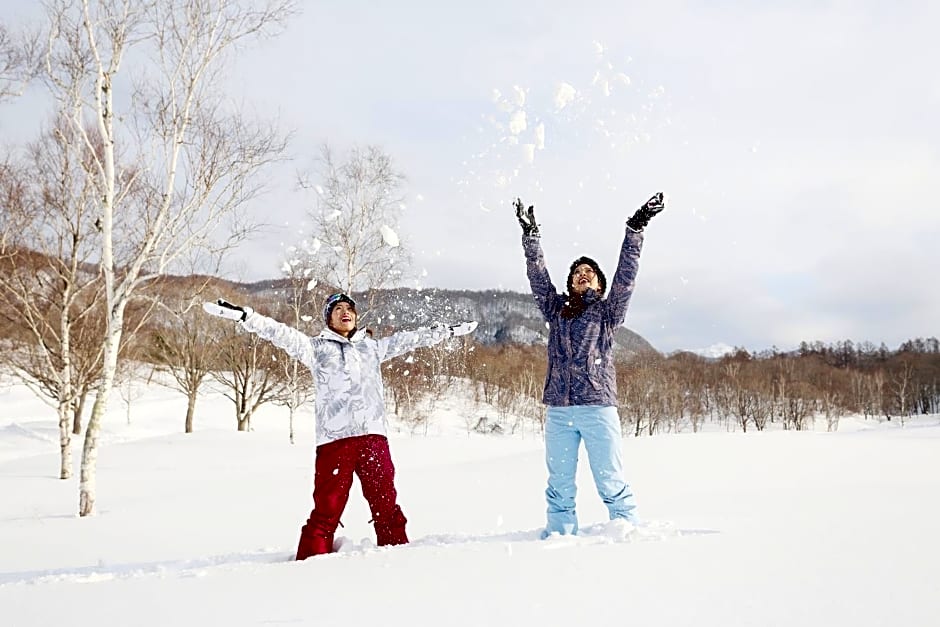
[(368, 456)]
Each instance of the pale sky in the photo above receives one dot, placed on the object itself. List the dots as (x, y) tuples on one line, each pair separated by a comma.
[(797, 143)]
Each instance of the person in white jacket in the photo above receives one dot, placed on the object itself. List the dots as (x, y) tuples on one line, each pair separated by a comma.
[(352, 428)]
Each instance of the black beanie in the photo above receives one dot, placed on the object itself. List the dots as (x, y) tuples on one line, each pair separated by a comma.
[(601, 279), (332, 302)]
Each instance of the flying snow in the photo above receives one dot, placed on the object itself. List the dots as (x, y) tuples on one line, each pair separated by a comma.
[(519, 94), (517, 122), (389, 235), (603, 109), (540, 136), (564, 94), (528, 153), (503, 105)]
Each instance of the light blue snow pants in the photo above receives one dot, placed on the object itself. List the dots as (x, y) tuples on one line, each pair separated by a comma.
[(599, 427)]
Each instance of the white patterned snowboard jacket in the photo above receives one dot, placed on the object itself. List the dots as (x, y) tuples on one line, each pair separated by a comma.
[(350, 393)]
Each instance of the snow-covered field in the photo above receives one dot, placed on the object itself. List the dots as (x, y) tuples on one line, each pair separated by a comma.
[(775, 528)]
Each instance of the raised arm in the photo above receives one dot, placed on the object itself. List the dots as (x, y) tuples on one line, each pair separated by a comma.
[(621, 288), (546, 296)]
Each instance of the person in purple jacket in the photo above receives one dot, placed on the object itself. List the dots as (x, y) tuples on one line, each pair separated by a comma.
[(581, 384)]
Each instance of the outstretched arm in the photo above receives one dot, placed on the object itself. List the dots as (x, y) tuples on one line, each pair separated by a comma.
[(546, 296), (406, 341), (297, 344)]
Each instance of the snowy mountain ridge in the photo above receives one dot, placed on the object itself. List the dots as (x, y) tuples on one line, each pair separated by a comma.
[(505, 317)]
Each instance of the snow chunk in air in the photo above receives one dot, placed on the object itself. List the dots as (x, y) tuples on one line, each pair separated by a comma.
[(517, 122), (390, 236), (564, 94)]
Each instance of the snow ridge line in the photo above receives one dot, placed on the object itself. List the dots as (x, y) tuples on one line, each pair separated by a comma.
[(109, 572), (612, 532)]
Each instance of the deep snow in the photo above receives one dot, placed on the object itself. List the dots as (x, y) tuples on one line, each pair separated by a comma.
[(773, 528)]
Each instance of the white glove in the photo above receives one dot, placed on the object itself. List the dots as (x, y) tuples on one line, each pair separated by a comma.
[(462, 328), (225, 309)]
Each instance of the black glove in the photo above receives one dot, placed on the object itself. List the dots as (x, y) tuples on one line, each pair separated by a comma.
[(225, 309), (643, 215), (526, 219)]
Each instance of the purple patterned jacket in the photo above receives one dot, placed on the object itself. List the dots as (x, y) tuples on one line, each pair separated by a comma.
[(580, 350)]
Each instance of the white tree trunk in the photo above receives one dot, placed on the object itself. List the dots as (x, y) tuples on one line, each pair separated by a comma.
[(104, 102), (86, 488), (65, 441)]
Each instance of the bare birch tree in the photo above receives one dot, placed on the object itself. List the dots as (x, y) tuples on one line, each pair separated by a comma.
[(16, 57), (901, 385), (877, 394), (250, 373), (199, 159), (182, 343), (48, 284), (302, 296), (355, 220)]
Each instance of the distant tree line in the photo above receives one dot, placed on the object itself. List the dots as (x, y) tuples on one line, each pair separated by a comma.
[(657, 393), (684, 391), (791, 389)]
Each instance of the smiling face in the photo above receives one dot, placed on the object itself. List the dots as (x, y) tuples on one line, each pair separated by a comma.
[(583, 278), (343, 318)]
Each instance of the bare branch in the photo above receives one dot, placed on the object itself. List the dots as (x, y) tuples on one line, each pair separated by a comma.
[(358, 207), (172, 168)]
